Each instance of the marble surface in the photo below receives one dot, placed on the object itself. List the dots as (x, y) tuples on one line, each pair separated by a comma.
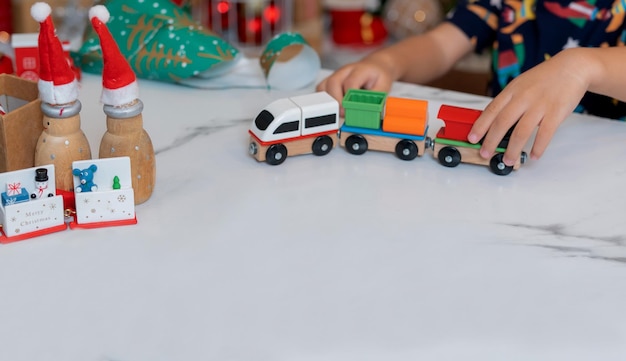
[(330, 258)]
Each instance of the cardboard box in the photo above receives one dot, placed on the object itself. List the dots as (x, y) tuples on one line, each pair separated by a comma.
[(22, 125)]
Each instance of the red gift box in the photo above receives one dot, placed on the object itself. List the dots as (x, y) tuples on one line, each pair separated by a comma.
[(27, 56)]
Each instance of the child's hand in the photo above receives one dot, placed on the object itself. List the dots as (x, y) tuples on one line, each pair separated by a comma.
[(364, 74), (417, 59), (541, 97)]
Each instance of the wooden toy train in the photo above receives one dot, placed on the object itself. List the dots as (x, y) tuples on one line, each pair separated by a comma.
[(373, 121)]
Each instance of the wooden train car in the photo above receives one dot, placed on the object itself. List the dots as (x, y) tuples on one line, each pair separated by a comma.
[(451, 147), (375, 121), (296, 125)]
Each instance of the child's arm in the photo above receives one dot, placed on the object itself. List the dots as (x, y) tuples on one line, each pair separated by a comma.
[(610, 78), (545, 95), (417, 59)]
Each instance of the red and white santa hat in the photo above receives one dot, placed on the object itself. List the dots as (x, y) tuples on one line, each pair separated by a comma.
[(118, 79), (57, 81)]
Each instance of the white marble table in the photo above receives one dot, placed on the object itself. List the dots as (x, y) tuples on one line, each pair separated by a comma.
[(337, 258)]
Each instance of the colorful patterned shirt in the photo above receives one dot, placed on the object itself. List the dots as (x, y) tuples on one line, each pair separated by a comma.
[(523, 33)]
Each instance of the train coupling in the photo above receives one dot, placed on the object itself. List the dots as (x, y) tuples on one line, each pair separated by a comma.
[(252, 148), (429, 143)]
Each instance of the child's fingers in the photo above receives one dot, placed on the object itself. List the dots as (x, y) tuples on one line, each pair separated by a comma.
[(362, 78), (545, 133), (488, 116), (333, 85), (520, 135), (505, 119), (480, 127)]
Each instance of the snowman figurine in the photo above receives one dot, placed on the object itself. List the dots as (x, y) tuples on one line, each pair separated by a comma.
[(41, 184)]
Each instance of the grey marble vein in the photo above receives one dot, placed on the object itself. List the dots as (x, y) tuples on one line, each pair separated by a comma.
[(560, 231), (607, 248), (200, 131)]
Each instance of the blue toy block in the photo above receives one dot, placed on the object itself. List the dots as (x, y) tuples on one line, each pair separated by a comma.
[(22, 197)]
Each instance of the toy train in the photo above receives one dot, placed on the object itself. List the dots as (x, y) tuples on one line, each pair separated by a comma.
[(373, 121)]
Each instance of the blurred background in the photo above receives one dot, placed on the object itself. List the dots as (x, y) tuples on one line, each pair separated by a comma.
[(341, 31)]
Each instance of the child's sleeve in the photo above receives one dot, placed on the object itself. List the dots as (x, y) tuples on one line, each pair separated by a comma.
[(478, 20)]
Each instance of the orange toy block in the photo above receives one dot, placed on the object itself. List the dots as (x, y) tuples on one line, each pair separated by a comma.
[(405, 116)]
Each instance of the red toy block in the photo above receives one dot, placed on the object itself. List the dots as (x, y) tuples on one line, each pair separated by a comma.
[(458, 120)]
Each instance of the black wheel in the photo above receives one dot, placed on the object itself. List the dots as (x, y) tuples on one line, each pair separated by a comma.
[(497, 165), (276, 154), (322, 145), (406, 149), (449, 157), (356, 144)]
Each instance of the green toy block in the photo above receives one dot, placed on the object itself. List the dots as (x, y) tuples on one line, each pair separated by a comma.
[(363, 108)]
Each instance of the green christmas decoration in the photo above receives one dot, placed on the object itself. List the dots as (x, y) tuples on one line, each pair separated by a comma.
[(160, 40)]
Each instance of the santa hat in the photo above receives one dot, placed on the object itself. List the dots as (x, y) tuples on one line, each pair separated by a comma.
[(57, 81), (118, 79)]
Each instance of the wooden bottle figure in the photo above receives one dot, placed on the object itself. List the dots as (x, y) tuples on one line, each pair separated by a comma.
[(125, 135), (62, 140)]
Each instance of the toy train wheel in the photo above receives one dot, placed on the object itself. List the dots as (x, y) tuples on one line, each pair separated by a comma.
[(449, 157), (276, 154), (322, 145), (496, 164), (406, 149), (356, 144)]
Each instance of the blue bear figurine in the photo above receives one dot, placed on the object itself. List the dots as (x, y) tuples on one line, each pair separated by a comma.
[(86, 179)]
